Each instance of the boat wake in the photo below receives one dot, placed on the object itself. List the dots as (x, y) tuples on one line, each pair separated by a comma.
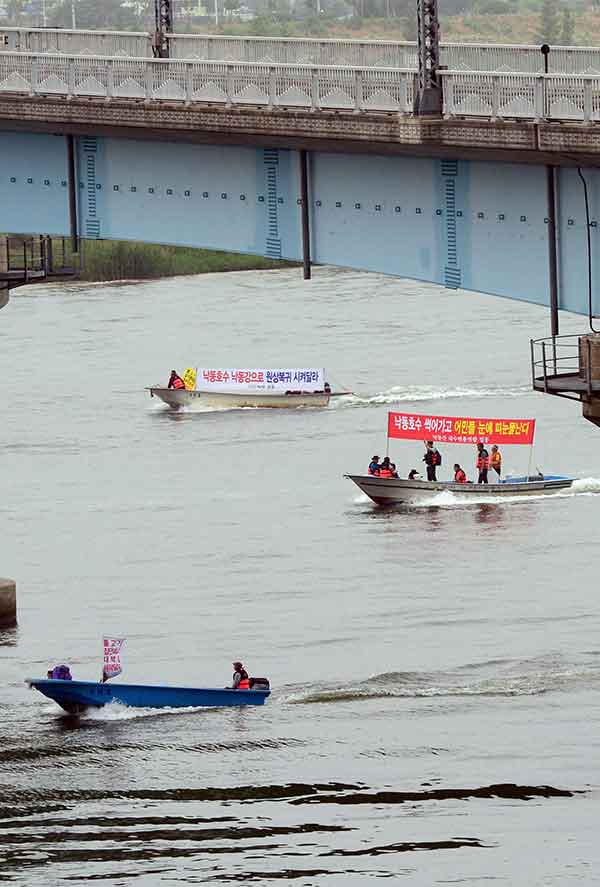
[(450, 499), (116, 711), (418, 393), (500, 679)]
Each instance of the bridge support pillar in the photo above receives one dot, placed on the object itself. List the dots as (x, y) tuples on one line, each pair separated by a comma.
[(3, 270), (589, 370), (72, 179), (552, 259), (8, 603), (305, 209)]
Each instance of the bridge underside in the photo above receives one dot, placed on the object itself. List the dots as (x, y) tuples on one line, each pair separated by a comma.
[(462, 223)]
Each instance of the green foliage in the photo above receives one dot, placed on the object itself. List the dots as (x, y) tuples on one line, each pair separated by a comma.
[(549, 23), (567, 31), (495, 7), (122, 260), (112, 14)]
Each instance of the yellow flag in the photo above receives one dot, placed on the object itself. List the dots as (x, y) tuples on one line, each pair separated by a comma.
[(189, 378)]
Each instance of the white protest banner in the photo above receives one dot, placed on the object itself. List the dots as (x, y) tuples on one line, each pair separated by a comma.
[(298, 379), (112, 657)]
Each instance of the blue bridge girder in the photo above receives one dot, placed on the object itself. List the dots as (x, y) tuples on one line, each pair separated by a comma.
[(205, 153)]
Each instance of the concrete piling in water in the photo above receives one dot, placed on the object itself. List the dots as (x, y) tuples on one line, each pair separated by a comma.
[(3, 270), (8, 603), (589, 370)]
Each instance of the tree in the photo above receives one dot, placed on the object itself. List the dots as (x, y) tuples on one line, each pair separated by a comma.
[(568, 28), (549, 25), (113, 15)]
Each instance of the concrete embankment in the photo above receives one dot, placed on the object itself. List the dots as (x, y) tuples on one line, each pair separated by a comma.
[(8, 603)]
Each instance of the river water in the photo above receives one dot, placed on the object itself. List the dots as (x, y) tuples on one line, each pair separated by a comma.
[(435, 670)]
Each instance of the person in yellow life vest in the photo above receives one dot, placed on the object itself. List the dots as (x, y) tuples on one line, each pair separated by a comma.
[(496, 460), (175, 381), (240, 681)]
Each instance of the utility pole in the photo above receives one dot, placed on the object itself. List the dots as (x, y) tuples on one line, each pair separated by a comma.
[(429, 94), (163, 22)]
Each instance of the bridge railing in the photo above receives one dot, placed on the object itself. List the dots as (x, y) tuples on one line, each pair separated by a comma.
[(304, 50), (508, 96), (231, 84), (466, 93), (57, 40)]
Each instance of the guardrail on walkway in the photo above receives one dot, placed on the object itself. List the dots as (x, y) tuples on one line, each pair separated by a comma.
[(303, 51), (240, 84), (466, 94)]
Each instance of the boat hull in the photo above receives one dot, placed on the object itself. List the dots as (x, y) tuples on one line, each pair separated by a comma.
[(392, 490), (76, 696), (179, 399)]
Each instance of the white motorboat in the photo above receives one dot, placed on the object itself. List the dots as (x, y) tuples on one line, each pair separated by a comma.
[(395, 490), (226, 400), (388, 490), (211, 389)]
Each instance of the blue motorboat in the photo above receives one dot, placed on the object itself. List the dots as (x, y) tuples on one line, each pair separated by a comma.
[(76, 696)]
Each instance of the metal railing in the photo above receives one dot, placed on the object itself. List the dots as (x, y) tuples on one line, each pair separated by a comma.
[(24, 258), (558, 366), (504, 58), (58, 40), (466, 94), (501, 96), (231, 84)]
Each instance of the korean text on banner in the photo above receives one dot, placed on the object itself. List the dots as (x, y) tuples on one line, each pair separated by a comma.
[(189, 378), (305, 379), (112, 657), (460, 430)]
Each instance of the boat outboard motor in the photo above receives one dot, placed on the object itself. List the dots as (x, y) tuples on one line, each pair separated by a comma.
[(259, 684)]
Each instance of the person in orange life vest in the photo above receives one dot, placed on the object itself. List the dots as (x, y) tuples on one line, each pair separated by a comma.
[(496, 460), (483, 463), (459, 476), (385, 469), (240, 681), (432, 459), (393, 469), (374, 467), (175, 381)]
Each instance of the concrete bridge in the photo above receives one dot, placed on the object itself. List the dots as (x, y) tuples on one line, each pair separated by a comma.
[(498, 193)]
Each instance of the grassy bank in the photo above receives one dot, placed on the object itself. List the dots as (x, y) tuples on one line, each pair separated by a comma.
[(514, 24), (119, 260)]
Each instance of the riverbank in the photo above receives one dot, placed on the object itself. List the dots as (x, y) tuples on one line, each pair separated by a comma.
[(509, 24), (120, 260)]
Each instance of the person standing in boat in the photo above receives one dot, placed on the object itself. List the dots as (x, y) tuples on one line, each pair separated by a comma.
[(496, 461), (432, 459), (483, 463), (175, 381), (459, 475), (240, 681), (374, 466)]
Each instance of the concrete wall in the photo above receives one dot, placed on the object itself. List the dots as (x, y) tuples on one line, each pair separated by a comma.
[(473, 224)]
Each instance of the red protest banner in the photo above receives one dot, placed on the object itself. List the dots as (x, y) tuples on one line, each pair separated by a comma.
[(460, 430)]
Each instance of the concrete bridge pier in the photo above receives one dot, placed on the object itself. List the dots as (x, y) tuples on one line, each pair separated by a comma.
[(589, 363), (3, 270), (8, 603)]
